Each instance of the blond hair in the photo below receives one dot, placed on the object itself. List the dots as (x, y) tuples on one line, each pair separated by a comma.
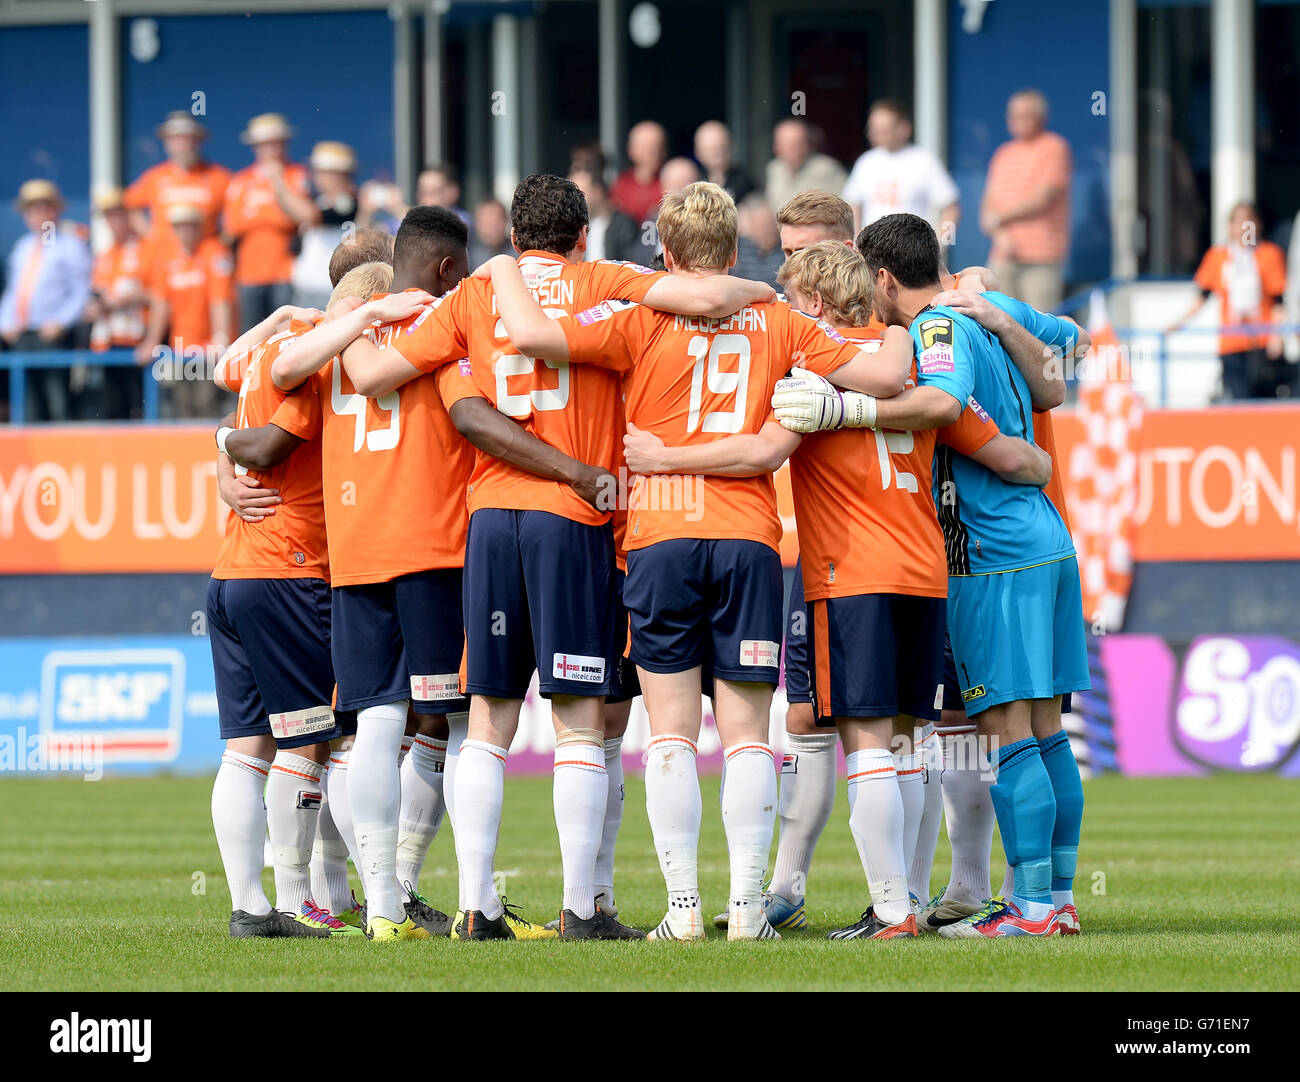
[(839, 274), (813, 207), (698, 226), (363, 281)]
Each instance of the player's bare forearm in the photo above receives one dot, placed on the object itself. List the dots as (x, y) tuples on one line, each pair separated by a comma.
[(1016, 461), (917, 409), (711, 295), (1038, 363), (883, 373), (311, 351), (746, 455), (525, 322), (261, 448), (244, 495), (495, 434)]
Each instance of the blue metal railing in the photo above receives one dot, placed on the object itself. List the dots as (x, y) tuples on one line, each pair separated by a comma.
[(19, 363)]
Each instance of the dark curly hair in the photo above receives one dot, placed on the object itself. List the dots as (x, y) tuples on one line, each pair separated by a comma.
[(547, 214)]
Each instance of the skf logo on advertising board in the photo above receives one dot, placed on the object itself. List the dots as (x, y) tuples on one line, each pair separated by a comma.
[(133, 699), (1239, 704)]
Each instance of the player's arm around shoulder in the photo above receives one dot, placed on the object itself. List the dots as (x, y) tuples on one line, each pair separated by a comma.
[(1016, 461), (527, 326), (743, 455), (711, 295), (882, 372)]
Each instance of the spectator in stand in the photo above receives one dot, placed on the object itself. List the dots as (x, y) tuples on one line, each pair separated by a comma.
[(796, 166), (676, 174), (183, 178), (588, 158), (758, 242), (191, 298), (1249, 275), (47, 287), (713, 151), (333, 168), (118, 305), (380, 206), (267, 203), (439, 186), (898, 177), (491, 235), (637, 190), (611, 234), (1026, 205)]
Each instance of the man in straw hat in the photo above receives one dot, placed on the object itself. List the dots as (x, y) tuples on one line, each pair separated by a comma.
[(48, 284), (183, 178), (266, 204)]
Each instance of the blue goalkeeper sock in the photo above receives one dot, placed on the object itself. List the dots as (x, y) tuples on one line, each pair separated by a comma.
[(1058, 758), (1026, 811)]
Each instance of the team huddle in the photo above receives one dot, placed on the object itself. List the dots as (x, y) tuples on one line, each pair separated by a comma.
[(431, 481)]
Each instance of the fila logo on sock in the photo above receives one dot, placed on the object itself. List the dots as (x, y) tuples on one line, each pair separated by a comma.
[(789, 764), (760, 652), (307, 800), (579, 667)]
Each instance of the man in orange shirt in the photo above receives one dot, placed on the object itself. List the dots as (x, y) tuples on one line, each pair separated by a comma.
[(191, 299), (184, 178), (704, 575), (1026, 206), (265, 206), (269, 626), (118, 305), (539, 559)]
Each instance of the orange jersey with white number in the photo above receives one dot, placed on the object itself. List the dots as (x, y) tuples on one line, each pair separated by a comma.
[(395, 472), (291, 543), (574, 408), (865, 510), (697, 380)]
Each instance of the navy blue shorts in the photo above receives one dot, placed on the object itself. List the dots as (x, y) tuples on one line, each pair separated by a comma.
[(798, 683), (876, 656), (952, 687), (270, 643), (716, 604), (539, 595), (401, 639), (624, 684)]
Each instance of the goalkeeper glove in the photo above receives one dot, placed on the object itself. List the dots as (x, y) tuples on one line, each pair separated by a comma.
[(805, 402)]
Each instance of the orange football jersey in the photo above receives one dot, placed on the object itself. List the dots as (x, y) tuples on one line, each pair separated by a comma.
[(864, 508), (696, 380), (190, 284), (291, 543), (261, 228), (395, 473), (573, 408), (1045, 437)]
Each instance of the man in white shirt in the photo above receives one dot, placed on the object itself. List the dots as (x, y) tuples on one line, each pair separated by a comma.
[(897, 177)]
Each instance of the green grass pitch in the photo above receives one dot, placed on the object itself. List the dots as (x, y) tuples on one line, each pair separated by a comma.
[(117, 885)]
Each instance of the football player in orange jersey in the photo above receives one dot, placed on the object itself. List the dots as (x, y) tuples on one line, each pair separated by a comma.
[(704, 578), (429, 253), (842, 538), (268, 612), (540, 560)]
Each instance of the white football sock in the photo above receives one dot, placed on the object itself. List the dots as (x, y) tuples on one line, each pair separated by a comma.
[(374, 791), (876, 820), (341, 803), (930, 759), (239, 818), (672, 801), (748, 815), (407, 741), (613, 818), (293, 799), (480, 789), (913, 794), (807, 798), (329, 855), (422, 806), (457, 730), (968, 812), (1062, 897), (1008, 882), (580, 791)]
